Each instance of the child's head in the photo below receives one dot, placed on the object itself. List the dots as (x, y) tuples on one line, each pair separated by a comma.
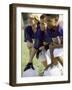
[(42, 22), (52, 20), (30, 19), (42, 19), (36, 19)]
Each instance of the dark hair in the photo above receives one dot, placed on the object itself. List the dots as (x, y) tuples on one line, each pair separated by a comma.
[(52, 15), (42, 16)]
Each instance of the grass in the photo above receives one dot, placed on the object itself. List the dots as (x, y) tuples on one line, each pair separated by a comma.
[(25, 57)]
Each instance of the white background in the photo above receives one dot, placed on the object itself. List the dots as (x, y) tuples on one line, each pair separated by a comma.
[(4, 45)]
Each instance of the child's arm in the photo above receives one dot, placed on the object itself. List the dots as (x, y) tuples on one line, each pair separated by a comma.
[(54, 45), (58, 42)]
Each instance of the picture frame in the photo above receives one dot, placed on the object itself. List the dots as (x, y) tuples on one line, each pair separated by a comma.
[(16, 10)]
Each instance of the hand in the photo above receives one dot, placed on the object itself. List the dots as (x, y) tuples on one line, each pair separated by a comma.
[(41, 48), (54, 61), (45, 43)]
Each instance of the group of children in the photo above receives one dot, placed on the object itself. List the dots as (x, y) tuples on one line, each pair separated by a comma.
[(44, 39)]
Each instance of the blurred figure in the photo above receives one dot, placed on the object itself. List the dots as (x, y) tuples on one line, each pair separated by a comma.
[(54, 33), (38, 39), (41, 51), (29, 37), (30, 31), (54, 39)]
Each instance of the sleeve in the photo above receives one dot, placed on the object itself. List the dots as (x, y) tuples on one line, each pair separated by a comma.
[(60, 32), (25, 39), (27, 36), (61, 35), (48, 38), (37, 43)]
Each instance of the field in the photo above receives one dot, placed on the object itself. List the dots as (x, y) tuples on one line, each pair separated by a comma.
[(25, 57)]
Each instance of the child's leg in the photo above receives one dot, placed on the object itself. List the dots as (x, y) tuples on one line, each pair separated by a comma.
[(32, 52), (42, 58), (60, 60), (61, 57), (29, 45), (30, 64), (45, 63), (58, 54), (51, 49)]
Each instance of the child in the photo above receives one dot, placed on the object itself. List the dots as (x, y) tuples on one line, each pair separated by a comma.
[(53, 37), (41, 55), (38, 41), (29, 36)]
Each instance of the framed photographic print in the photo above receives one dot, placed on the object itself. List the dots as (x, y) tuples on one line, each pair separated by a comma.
[(39, 44)]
